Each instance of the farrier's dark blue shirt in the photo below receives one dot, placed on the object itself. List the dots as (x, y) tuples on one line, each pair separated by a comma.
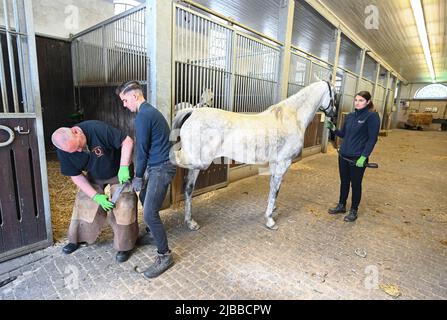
[(152, 135), (359, 133), (102, 159)]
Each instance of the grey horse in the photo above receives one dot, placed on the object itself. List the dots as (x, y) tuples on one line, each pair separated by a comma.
[(274, 137)]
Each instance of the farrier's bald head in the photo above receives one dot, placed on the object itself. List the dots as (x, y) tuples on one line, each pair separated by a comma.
[(68, 139), (61, 136)]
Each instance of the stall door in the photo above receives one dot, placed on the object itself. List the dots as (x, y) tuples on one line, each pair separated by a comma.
[(25, 222)]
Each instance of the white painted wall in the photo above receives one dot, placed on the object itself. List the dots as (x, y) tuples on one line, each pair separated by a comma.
[(59, 18)]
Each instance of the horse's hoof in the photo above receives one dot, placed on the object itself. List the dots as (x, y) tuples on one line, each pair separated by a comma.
[(271, 225), (274, 227), (192, 225)]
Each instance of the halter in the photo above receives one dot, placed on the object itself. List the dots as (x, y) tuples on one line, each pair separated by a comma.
[(331, 102)]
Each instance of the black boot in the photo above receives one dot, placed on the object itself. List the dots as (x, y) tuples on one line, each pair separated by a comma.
[(352, 216), (70, 248), (122, 256), (340, 208)]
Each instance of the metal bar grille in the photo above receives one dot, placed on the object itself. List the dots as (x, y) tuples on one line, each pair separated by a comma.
[(256, 74), (212, 59), (15, 87), (299, 68), (202, 61), (112, 52), (3, 84), (9, 42)]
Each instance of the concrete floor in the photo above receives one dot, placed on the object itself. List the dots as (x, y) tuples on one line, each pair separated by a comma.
[(401, 229)]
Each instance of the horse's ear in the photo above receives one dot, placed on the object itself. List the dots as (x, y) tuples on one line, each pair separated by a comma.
[(330, 78)]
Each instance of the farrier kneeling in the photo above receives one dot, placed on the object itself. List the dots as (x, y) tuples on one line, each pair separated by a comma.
[(104, 153)]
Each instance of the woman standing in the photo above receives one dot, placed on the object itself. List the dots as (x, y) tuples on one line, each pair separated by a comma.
[(359, 134)]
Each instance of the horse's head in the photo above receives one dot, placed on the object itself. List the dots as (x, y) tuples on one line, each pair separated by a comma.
[(327, 105), (207, 98)]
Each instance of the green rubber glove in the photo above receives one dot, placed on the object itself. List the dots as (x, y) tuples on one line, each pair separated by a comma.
[(103, 201), (123, 174), (361, 162), (328, 124)]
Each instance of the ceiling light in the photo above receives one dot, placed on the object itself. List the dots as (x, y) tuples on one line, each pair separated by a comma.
[(420, 23)]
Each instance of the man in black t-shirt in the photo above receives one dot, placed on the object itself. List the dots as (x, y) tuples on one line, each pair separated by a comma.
[(104, 153)]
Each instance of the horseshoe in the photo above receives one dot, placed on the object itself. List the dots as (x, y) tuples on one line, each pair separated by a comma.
[(11, 136)]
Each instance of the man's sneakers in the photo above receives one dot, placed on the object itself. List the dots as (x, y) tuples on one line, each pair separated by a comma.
[(161, 263)]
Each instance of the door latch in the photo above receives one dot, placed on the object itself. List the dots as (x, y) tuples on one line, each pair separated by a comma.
[(19, 130)]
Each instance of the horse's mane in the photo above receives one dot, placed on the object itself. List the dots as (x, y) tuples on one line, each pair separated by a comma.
[(294, 100)]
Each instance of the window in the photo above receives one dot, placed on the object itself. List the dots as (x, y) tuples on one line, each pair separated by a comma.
[(124, 5), (129, 31), (432, 91)]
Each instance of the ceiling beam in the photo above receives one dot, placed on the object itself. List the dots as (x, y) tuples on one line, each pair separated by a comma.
[(337, 22)]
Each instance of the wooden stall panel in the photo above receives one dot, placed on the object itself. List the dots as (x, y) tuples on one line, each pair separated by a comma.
[(22, 210), (320, 128), (101, 103), (216, 174), (56, 85), (10, 228), (310, 136)]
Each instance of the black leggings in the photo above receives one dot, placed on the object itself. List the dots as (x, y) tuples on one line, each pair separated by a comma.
[(352, 175)]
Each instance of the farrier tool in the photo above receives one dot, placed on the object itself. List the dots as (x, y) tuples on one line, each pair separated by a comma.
[(118, 192)]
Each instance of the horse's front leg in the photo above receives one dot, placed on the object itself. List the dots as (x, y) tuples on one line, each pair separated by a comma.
[(189, 188), (275, 183), (277, 172)]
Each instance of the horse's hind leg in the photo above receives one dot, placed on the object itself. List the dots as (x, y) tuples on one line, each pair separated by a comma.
[(189, 188), (277, 170), (274, 211)]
